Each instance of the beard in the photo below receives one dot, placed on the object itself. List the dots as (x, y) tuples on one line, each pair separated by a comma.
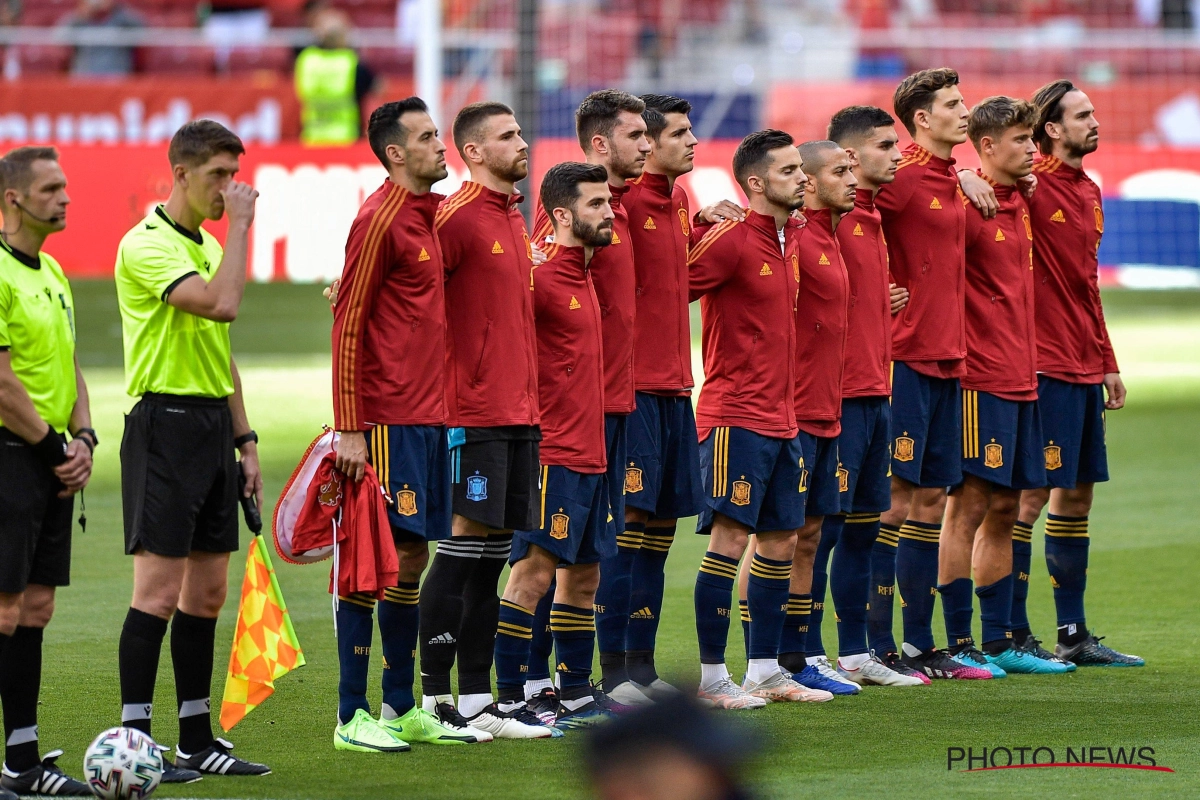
[(790, 202), (627, 170), (1083, 147), (592, 236), (512, 171), (837, 200)]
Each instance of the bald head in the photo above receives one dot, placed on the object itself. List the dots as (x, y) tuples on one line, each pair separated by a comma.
[(831, 181), (817, 154)]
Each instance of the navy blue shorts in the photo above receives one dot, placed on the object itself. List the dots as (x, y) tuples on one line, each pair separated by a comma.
[(662, 468), (615, 446), (413, 465), (752, 479), (926, 428), (819, 475), (1073, 430), (574, 520), (1002, 440), (864, 474)]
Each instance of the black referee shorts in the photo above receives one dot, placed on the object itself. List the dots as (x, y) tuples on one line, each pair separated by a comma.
[(179, 476), (496, 475), (35, 525)]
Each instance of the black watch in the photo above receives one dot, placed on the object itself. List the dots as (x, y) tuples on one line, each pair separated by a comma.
[(244, 438), (91, 435)]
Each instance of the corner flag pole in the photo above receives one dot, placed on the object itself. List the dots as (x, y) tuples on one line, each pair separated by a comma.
[(429, 59)]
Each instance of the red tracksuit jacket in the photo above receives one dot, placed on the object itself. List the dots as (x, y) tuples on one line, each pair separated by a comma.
[(867, 371), (822, 304)]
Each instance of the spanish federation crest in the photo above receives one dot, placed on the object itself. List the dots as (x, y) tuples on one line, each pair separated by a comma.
[(741, 493), (406, 502), (993, 456), (1053, 456), (633, 480), (477, 487), (558, 525), (803, 481), (843, 479), (330, 493), (683, 222), (904, 448)]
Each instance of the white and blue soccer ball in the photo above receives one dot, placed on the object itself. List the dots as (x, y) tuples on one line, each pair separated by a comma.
[(123, 764)]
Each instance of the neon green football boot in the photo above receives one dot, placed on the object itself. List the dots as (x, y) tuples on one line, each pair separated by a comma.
[(362, 734), (418, 725)]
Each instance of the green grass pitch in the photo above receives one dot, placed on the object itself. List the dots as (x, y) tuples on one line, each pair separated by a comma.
[(1145, 565)]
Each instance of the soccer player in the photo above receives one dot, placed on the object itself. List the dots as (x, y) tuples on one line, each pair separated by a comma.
[(924, 224), (1076, 367), (1001, 425), (42, 399), (750, 456), (573, 532), (612, 134), (179, 477), (492, 406), (389, 408)]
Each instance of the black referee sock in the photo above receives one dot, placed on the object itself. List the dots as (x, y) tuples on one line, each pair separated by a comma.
[(192, 642), (481, 613), (141, 644), (20, 679), (441, 609)]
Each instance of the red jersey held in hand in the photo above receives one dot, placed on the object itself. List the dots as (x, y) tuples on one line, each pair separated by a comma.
[(867, 372), (821, 307), (491, 347), (570, 362), (660, 229), (747, 293), (1001, 338), (615, 278), (925, 224), (1068, 221), (389, 324)]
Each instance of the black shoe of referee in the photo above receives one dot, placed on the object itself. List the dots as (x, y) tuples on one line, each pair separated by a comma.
[(216, 760), (172, 773), (44, 779)]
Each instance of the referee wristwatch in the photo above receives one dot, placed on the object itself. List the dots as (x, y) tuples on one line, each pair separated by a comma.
[(91, 439), (244, 439)]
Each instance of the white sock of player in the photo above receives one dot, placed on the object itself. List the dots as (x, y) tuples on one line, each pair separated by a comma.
[(471, 704), (532, 687), (508, 708), (430, 703), (853, 662), (710, 674), (813, 659), (387, 712), (759, 669)]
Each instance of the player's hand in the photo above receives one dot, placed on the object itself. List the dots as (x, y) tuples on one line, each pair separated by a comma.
[(1114, 387), (899, 298), (76, 470), (239, 202), (252, 472), (351, 449), (331, 292), (979, 192), (539, 255), (719, 212), (1027, 185)]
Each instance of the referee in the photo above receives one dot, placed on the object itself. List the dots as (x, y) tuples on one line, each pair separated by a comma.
[(42, 397), (178, 292)]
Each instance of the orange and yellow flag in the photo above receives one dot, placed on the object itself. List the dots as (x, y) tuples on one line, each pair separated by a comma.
[(265, 647)]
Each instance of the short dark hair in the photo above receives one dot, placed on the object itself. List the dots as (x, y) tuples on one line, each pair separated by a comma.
[(384, 127), (657, 108), (16, 167), (916, 93), (816, 153), (599, 111), (560, 186), (198, 141), (855, 123), (994, 115), (469, 123), (1047, 102), (754, 151)]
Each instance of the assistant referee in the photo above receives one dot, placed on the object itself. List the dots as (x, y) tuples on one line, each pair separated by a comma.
[(42, 398), (178, 291)]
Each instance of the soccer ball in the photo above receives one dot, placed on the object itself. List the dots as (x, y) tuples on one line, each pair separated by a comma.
[(123, 764)]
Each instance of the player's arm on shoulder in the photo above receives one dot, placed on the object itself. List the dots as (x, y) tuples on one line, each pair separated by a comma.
[(892, 198), (979, 192), (714, 259)]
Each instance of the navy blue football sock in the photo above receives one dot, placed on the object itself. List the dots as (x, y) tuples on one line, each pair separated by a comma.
[(958, 608), (995, 608), (649, 567), (514, 632), (850, 581), (744, 614), (766, 597), (793, 640), (574, 632), (1067, 543), (916, 579), (883, 590), (355, 626), (613, 605), (542, 644), (714, 591), (399, 620), (830, 529), (1022, 563)]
